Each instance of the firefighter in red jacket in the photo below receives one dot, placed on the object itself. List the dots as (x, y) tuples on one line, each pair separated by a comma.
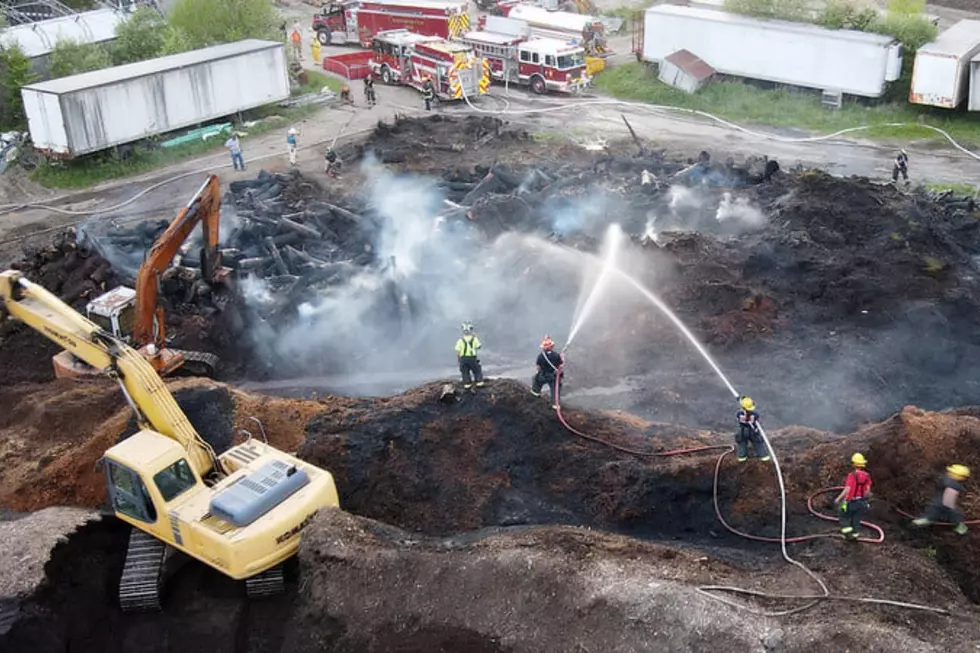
[(853, 499)]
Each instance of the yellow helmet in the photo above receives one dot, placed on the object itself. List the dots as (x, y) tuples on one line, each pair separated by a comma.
[(858, 460), (960, 471), (746, 403)]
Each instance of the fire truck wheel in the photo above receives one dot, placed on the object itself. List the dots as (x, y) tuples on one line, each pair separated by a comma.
[(386, 76), (323, 38), (538, 85)]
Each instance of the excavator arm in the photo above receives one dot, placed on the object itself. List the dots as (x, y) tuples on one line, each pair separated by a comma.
[(204, 208), (150, 399)]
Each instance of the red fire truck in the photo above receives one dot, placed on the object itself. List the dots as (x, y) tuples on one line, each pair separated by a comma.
[(357, 21), (539, 63), (403, 57)]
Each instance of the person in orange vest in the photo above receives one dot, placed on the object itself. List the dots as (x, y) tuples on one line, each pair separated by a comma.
[(852, 502), (297, 40)]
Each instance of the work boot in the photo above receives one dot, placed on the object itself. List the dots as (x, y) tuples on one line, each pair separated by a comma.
[(920, 522), (536, 394), (961, 529), (555, 407), (766, 459), (742, 459), (467, 386), (480, 384)]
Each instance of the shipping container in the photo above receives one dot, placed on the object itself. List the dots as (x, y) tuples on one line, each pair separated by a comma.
[(941, 76), (808, 56), (93, 111), (974, 84)]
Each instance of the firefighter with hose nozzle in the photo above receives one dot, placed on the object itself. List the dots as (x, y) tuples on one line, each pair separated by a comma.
[(748, 431), (943, 507), (549, 370), (853, 502)]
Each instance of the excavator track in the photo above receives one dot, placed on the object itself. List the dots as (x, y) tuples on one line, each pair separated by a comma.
[(139, 587), (199, 363), (269, 583)]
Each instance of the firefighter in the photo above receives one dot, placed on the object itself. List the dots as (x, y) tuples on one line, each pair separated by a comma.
[(369, 93), (549, 370), (297, 42), (943, 507), (901, 167), (315, 51), (346, 96), (291, 145), (331, 162), (853, 502), (428, 92), (748, 431), (467, 348)]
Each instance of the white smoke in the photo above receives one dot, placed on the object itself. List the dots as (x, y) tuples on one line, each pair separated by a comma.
[(741, 211)]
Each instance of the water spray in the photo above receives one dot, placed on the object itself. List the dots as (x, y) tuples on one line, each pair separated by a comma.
[(614, 236)]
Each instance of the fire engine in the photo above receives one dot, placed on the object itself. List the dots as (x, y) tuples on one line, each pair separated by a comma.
[(357, 21), (539, 63), (580, 29), (403, 57)]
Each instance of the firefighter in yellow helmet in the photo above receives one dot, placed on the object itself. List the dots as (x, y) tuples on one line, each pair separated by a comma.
[(852, 502), (943, 507), (748, 431), (467, 352)]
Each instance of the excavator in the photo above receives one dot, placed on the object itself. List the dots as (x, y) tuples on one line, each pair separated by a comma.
[(133, 314), (240, 512)]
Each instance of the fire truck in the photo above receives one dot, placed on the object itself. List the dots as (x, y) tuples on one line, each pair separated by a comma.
[(357, 21), (403, 57), (580, 29), (539, 63)]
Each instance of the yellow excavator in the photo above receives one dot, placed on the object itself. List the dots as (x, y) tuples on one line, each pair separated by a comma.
[(240, 512)]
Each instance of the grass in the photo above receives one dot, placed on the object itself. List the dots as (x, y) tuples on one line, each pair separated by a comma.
[(88, 171), (315, 81), (958, 189), (745, 103)]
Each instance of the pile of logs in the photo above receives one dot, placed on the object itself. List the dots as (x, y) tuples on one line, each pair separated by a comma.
[(73, 271)]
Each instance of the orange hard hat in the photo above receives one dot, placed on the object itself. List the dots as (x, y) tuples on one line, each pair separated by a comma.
[(547, 343)]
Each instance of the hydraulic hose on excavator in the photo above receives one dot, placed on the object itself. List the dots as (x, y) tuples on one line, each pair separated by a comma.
[(709, 590)]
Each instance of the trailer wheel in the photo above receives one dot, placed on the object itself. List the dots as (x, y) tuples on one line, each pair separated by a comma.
[(386, 75), (323, 37), (538, 86)]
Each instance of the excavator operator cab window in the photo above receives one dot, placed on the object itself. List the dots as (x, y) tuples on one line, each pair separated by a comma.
[(175, 480), (129, 495)]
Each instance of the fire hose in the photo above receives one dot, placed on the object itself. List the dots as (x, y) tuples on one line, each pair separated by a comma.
[(783, 540)]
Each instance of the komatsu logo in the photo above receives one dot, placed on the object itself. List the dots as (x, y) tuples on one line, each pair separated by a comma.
[(294, 531)]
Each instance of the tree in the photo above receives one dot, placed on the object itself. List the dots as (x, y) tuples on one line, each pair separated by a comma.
[(175, 40), (209, 22), (15, 72), (70, 57), (139, 37)]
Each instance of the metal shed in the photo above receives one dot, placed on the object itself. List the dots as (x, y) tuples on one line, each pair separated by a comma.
[(974, 104), (685, 71)]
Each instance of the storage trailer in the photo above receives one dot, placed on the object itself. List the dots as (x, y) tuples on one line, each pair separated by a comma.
[(93, 111), (941, 75), (974, 104), (837, 61)]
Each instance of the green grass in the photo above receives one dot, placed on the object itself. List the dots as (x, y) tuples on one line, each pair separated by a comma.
[(88, 171), (783, 108), (958, 189), (315, 81)]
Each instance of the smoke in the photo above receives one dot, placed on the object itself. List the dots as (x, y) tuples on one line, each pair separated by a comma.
[(740, 212), (572, 215), (431, 272)]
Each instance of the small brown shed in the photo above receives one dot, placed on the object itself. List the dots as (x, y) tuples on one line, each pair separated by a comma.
[(685, 71)]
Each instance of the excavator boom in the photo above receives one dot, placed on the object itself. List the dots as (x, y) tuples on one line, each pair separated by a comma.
[(155, 407), (204, 208)]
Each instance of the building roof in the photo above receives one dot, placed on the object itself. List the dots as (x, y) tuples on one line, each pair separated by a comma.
[(962, 40), (38, 39), (691, 65), (151, 66), (711, 15)]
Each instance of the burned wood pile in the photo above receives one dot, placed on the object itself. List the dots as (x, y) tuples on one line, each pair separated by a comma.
[(70, 268)]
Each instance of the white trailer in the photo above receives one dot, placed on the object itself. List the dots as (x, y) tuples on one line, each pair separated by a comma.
[(93, 111), (941, 76), (837, 61), (974, 84)]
